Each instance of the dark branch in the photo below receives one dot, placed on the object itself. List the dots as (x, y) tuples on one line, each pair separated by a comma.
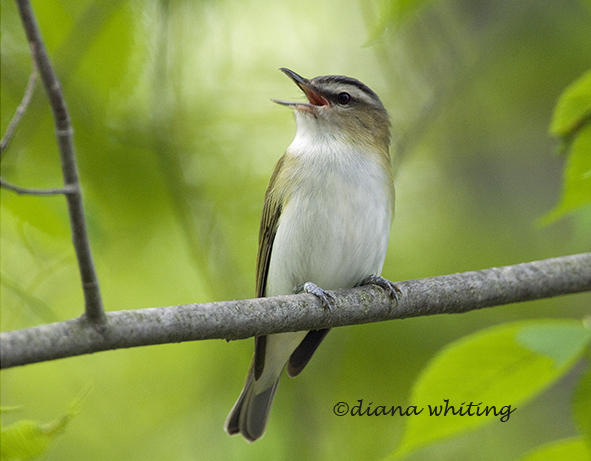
[(20, 111), (63, 128), (28, 191), (448, 294)]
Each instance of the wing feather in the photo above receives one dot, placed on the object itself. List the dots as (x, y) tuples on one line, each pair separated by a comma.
[(272, 208)]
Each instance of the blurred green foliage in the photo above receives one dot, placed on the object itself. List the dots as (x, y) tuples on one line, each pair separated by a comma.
[(176, 139), (582, 407), (571, 448), (572, 123), (392, 15), (26, 439), (573, 107)]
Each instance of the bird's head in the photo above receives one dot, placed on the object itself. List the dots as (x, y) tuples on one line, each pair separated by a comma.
[(342, 108)]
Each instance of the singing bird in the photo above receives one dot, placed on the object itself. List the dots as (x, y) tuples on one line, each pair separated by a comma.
[(325, 224)]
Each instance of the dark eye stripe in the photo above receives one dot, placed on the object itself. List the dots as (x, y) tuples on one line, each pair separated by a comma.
[(342, 79)]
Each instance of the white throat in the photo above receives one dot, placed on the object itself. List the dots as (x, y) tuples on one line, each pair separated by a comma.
[(314, 134)]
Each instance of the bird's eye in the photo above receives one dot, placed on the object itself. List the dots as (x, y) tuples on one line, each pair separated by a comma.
[(343, 98)]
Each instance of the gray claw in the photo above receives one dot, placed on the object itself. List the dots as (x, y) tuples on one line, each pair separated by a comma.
[(327, 299), (390, 287)]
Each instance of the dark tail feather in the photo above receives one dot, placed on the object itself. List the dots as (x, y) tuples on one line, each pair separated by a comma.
[(233, 419), (302, 355), (251, 411)]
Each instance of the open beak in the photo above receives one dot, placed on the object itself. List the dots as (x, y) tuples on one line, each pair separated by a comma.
[(315, 99)]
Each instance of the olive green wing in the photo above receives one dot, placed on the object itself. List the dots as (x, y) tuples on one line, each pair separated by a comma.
[(272, 208)]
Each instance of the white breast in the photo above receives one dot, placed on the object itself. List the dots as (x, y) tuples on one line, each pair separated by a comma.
[(334, 229)]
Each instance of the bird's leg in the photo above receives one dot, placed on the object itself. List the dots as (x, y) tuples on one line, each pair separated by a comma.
[(328, 300), (390, 287)]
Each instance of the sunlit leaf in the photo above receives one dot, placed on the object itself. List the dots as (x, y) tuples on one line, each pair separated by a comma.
[(576, 188), (494, 368), (573, 107), (24, 440), (567, 449), (28, 439), (554, 340), (572, 122)]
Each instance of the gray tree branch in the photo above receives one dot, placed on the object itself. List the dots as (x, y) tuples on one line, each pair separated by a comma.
[(30, 191), (20, 111), (92, 297), (447, 294)]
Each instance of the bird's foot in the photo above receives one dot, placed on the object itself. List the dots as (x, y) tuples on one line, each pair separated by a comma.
[(327, 299), (390, 287)]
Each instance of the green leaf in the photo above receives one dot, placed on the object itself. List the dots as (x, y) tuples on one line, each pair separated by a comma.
[(572, 122), (27, 439), (24, 440), (567, 449), (582, 407), (498, 369), (573, 107), (576, 189), (556, 341)]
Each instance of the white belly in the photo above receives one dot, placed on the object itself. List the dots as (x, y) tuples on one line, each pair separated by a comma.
[(334, 229)]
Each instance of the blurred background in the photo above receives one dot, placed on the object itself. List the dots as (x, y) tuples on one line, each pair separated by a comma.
[(176, 139)]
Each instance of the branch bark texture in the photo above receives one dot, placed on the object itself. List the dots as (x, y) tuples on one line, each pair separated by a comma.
[(448, 294), (64, 132)]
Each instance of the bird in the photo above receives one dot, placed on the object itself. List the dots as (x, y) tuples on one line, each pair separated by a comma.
[(325, 225)]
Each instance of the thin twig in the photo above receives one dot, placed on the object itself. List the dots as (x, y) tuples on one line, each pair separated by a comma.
[(447, 294), (63, 128), (20, 111), (28, 191)]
